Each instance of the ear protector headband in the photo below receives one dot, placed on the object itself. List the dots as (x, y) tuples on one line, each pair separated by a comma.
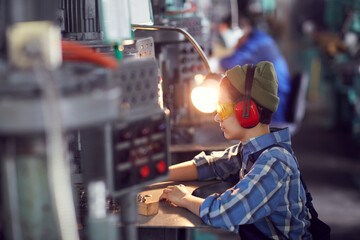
[(245, 109)]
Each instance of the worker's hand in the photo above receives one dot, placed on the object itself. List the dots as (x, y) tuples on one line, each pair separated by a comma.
[(176, 194)]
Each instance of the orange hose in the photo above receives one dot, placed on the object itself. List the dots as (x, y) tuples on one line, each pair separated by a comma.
[(73, 51)]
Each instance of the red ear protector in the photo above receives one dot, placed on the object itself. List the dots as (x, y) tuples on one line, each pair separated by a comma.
[(245, 109)]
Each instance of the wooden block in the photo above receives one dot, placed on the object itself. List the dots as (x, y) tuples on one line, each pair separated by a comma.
[(148, 209), (147, 205)]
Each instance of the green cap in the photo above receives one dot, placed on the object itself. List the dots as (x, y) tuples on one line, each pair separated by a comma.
[(265, 84)]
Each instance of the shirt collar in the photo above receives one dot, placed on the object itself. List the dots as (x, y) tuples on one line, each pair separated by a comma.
[(256, 144)]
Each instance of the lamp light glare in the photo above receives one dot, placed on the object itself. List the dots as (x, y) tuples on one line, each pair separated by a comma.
[(199, 79), (204, 98)]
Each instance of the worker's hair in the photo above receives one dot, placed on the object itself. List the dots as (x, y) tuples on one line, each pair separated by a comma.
[(245, 14), (265, 114)]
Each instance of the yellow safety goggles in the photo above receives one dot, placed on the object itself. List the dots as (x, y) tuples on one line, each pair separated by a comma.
[(224, 110)]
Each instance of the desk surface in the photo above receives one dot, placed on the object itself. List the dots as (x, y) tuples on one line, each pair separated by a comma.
[(206, 137), (169, 215)]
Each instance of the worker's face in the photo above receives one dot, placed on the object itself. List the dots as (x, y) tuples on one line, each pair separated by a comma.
[(223, 27), (229, 124)]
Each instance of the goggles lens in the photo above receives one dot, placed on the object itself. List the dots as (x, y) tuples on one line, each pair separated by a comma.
[(224, 110)]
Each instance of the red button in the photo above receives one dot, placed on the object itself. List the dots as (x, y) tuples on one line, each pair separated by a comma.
[(144, 171), (161, 166), (127, 135), (145, 131)]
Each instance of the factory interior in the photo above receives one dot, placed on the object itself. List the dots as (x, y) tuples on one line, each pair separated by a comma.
[(99, 97)]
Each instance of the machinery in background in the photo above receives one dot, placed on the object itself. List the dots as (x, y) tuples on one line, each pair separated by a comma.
[(335, 36), (132, 151), (180, 62), (82, 136), (343, 55), (93, 126)]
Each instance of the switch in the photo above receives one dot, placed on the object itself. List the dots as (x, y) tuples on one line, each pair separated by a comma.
[(161, 127), (144, 131), (144, 171), (127, 135), (156, 147), (161, 166)]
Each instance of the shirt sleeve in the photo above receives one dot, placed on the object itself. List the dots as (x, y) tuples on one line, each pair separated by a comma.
[(253, 198), (258, 47), (219, 164)]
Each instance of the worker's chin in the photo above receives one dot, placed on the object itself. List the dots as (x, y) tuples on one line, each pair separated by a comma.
[(228, 136)]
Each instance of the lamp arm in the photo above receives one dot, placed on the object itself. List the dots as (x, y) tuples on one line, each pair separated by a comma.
[(182, 31)]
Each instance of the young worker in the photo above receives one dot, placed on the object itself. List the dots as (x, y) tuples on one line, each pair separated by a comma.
[(269, 200)]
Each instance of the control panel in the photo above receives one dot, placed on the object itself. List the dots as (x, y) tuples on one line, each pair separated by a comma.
[(140, 152), (191, 24), (131, 151)]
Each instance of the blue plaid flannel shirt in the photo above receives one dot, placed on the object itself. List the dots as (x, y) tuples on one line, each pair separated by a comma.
[(269, 195)]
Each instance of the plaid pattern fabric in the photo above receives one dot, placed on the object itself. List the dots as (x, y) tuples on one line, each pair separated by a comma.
[(270, 195)]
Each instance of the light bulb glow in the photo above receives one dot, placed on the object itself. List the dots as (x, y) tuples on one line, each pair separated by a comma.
[(205, 98), (199, 79)]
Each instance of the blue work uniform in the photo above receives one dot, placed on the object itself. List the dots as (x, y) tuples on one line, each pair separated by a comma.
[(261, 47), (270, 196)]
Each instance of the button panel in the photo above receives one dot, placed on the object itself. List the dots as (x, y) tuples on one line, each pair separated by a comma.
[(140, 152)]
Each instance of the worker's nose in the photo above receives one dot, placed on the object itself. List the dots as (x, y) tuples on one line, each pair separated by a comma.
[(217, 118)]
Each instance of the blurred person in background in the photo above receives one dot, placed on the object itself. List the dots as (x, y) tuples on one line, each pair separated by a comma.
[(250, 45)]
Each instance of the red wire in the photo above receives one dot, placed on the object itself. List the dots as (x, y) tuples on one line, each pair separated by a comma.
[(73, 51)]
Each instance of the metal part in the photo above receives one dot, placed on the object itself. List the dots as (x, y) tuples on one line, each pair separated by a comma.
[(87, 99), (57, 168), (100, 225), (9, 185), (23, 115), (36, 211), (97, 196), (179, 61), (42, 90), (135, 145), (129, 215), (183, 32), (80, 19), (34, 43), (142, 199), (29, 203), (139, 197), (143, 47)]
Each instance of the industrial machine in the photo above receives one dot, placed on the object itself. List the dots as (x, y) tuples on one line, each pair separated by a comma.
[(179, 61), (92, 95), (84, 111), (81, 119), (334, 30)]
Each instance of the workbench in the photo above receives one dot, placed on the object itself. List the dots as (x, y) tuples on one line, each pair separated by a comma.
[(172, 222)]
